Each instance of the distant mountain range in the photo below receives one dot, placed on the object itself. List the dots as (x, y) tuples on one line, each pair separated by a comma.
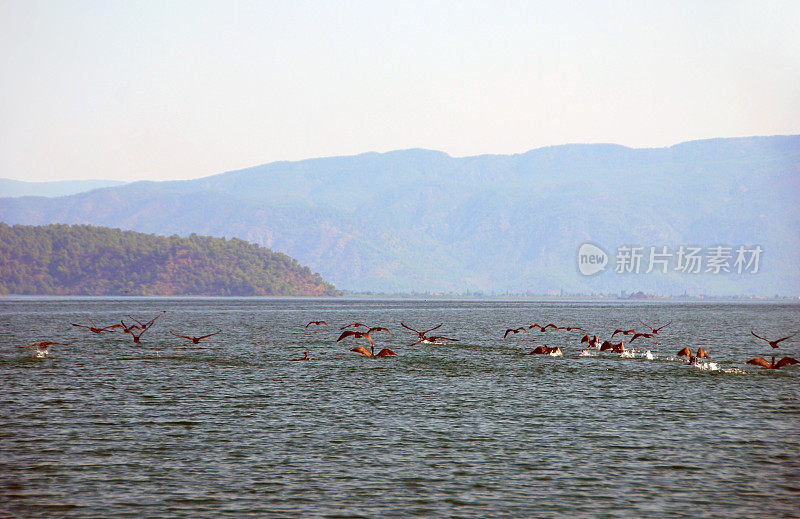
[(16, 188), (419, 220)]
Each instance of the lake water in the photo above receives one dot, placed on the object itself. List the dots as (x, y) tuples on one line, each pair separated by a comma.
[(232, 427)]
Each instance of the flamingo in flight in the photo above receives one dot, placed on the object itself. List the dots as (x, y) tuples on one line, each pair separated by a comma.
[(423, 338), (761, 361), (355, 325), (774, 343), (127, 329), (554, 327), (143, 326), (386, 352), (543, 328), (317, 323), (421, 334), (654, 331), (130, 329), (195, 340), (96, 329), (515, 331)]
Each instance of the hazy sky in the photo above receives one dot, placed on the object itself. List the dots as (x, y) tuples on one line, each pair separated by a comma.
[(173, 89)]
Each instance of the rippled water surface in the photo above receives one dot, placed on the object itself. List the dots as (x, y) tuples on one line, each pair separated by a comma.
[(103, 427)]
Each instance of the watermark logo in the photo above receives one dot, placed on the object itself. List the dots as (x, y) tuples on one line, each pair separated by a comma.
[(591, 259), (662, 259)]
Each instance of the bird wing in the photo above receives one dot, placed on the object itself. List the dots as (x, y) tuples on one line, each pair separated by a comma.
[(83, 326), (209, 335), (346, 333), (140, 323), (181, 336), (702, 354), (509, 330), (570, 328), (386, 352), (760, 337), (535, 325), (323, 322), (760, 361), (408, 327), (352, 324), (783, 339), (616, 332), (362, 350), (660, 327), (379, 329), (309, 324), (651, 328), (521, 329), (426, 331), (586, 338), (786, 361), (686, 352), (151, 321)]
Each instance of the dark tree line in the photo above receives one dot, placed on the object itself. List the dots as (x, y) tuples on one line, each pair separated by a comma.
[(88, 260)]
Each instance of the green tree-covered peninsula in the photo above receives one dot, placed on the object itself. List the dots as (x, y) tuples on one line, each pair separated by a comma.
[(88, 260)]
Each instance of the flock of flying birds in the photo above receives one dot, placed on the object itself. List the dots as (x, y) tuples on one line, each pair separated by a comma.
[(135, 330), (138, 328), (592, 341)]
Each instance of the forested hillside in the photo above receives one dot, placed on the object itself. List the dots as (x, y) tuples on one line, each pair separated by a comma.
[(83, 259)]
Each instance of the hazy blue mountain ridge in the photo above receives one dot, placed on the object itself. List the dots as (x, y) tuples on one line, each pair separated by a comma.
[(422, 220), (16, 188)]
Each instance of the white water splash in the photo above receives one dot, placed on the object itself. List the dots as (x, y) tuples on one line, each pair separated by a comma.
[(706, 366), (586, 353)]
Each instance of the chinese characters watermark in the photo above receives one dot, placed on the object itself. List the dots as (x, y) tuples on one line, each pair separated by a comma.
[(684, 259)]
